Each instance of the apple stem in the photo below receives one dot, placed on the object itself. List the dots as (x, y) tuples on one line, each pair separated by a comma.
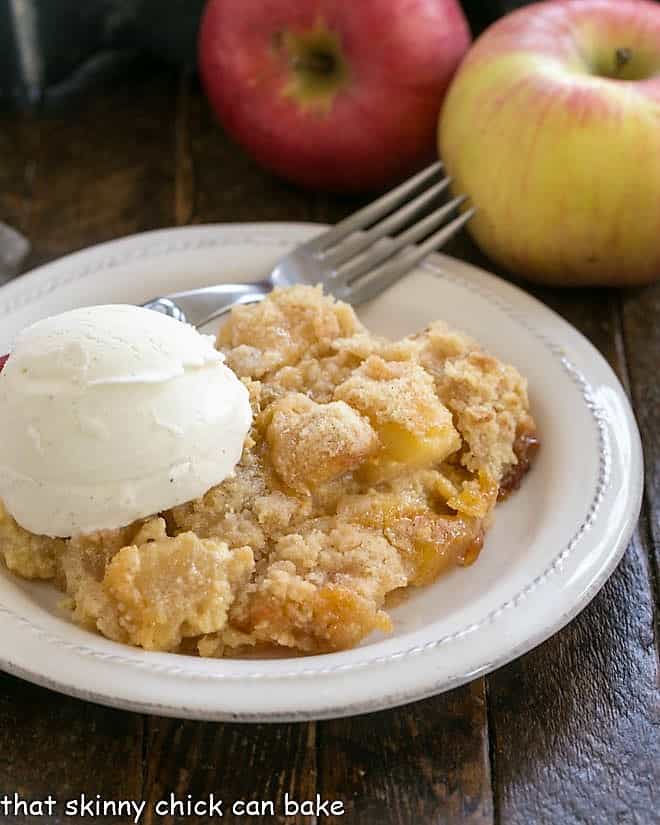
[(622, 58)]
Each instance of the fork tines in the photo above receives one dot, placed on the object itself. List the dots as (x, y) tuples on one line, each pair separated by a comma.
[(357, 246)]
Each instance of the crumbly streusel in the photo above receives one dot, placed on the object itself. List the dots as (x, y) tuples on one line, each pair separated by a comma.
[(371, 466)]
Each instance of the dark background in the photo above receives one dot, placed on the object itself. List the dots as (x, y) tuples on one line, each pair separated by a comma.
[(52, 50)]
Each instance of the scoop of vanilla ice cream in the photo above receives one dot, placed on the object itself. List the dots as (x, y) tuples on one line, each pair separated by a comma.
[(112, 413)]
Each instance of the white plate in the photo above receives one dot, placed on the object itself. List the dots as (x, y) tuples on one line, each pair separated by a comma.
[(553, 545)]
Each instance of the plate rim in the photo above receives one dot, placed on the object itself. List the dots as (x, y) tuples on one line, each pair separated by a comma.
[(283, 233)]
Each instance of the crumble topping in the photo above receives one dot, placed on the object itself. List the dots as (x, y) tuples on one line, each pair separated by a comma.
[(311, 443), (371, 466)]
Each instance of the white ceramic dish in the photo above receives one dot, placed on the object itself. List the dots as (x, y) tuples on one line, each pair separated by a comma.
[(553, 545)]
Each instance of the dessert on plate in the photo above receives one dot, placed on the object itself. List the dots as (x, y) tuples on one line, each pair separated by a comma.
[(276, 490)]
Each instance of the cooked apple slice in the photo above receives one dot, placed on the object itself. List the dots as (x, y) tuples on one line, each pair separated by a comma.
[(414, 427)]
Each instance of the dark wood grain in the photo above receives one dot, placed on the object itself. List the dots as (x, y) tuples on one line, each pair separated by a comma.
[(424, 763), (18, 144), (99, 172), (51, 744), (236, 763), (641, 332)]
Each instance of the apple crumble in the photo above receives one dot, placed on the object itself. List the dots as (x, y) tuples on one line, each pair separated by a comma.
[(371, 466)]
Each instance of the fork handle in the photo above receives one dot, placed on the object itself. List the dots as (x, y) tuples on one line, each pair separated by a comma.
[(199, 306)]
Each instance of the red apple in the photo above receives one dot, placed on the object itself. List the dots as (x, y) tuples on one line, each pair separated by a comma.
[(332, 94), (3, 361), (552, 127)]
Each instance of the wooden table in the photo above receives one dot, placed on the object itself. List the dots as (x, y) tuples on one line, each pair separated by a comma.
[(569, 733)]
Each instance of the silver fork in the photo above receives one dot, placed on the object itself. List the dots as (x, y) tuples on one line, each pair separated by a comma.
[(354, 261)]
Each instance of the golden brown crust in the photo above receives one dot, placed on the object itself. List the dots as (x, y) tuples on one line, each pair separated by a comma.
[(310, 443), (262, 338), (28, 555), (164, 590)]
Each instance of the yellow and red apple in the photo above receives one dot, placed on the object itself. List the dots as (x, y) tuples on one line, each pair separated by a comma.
[(552, 127), (332, 94)]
